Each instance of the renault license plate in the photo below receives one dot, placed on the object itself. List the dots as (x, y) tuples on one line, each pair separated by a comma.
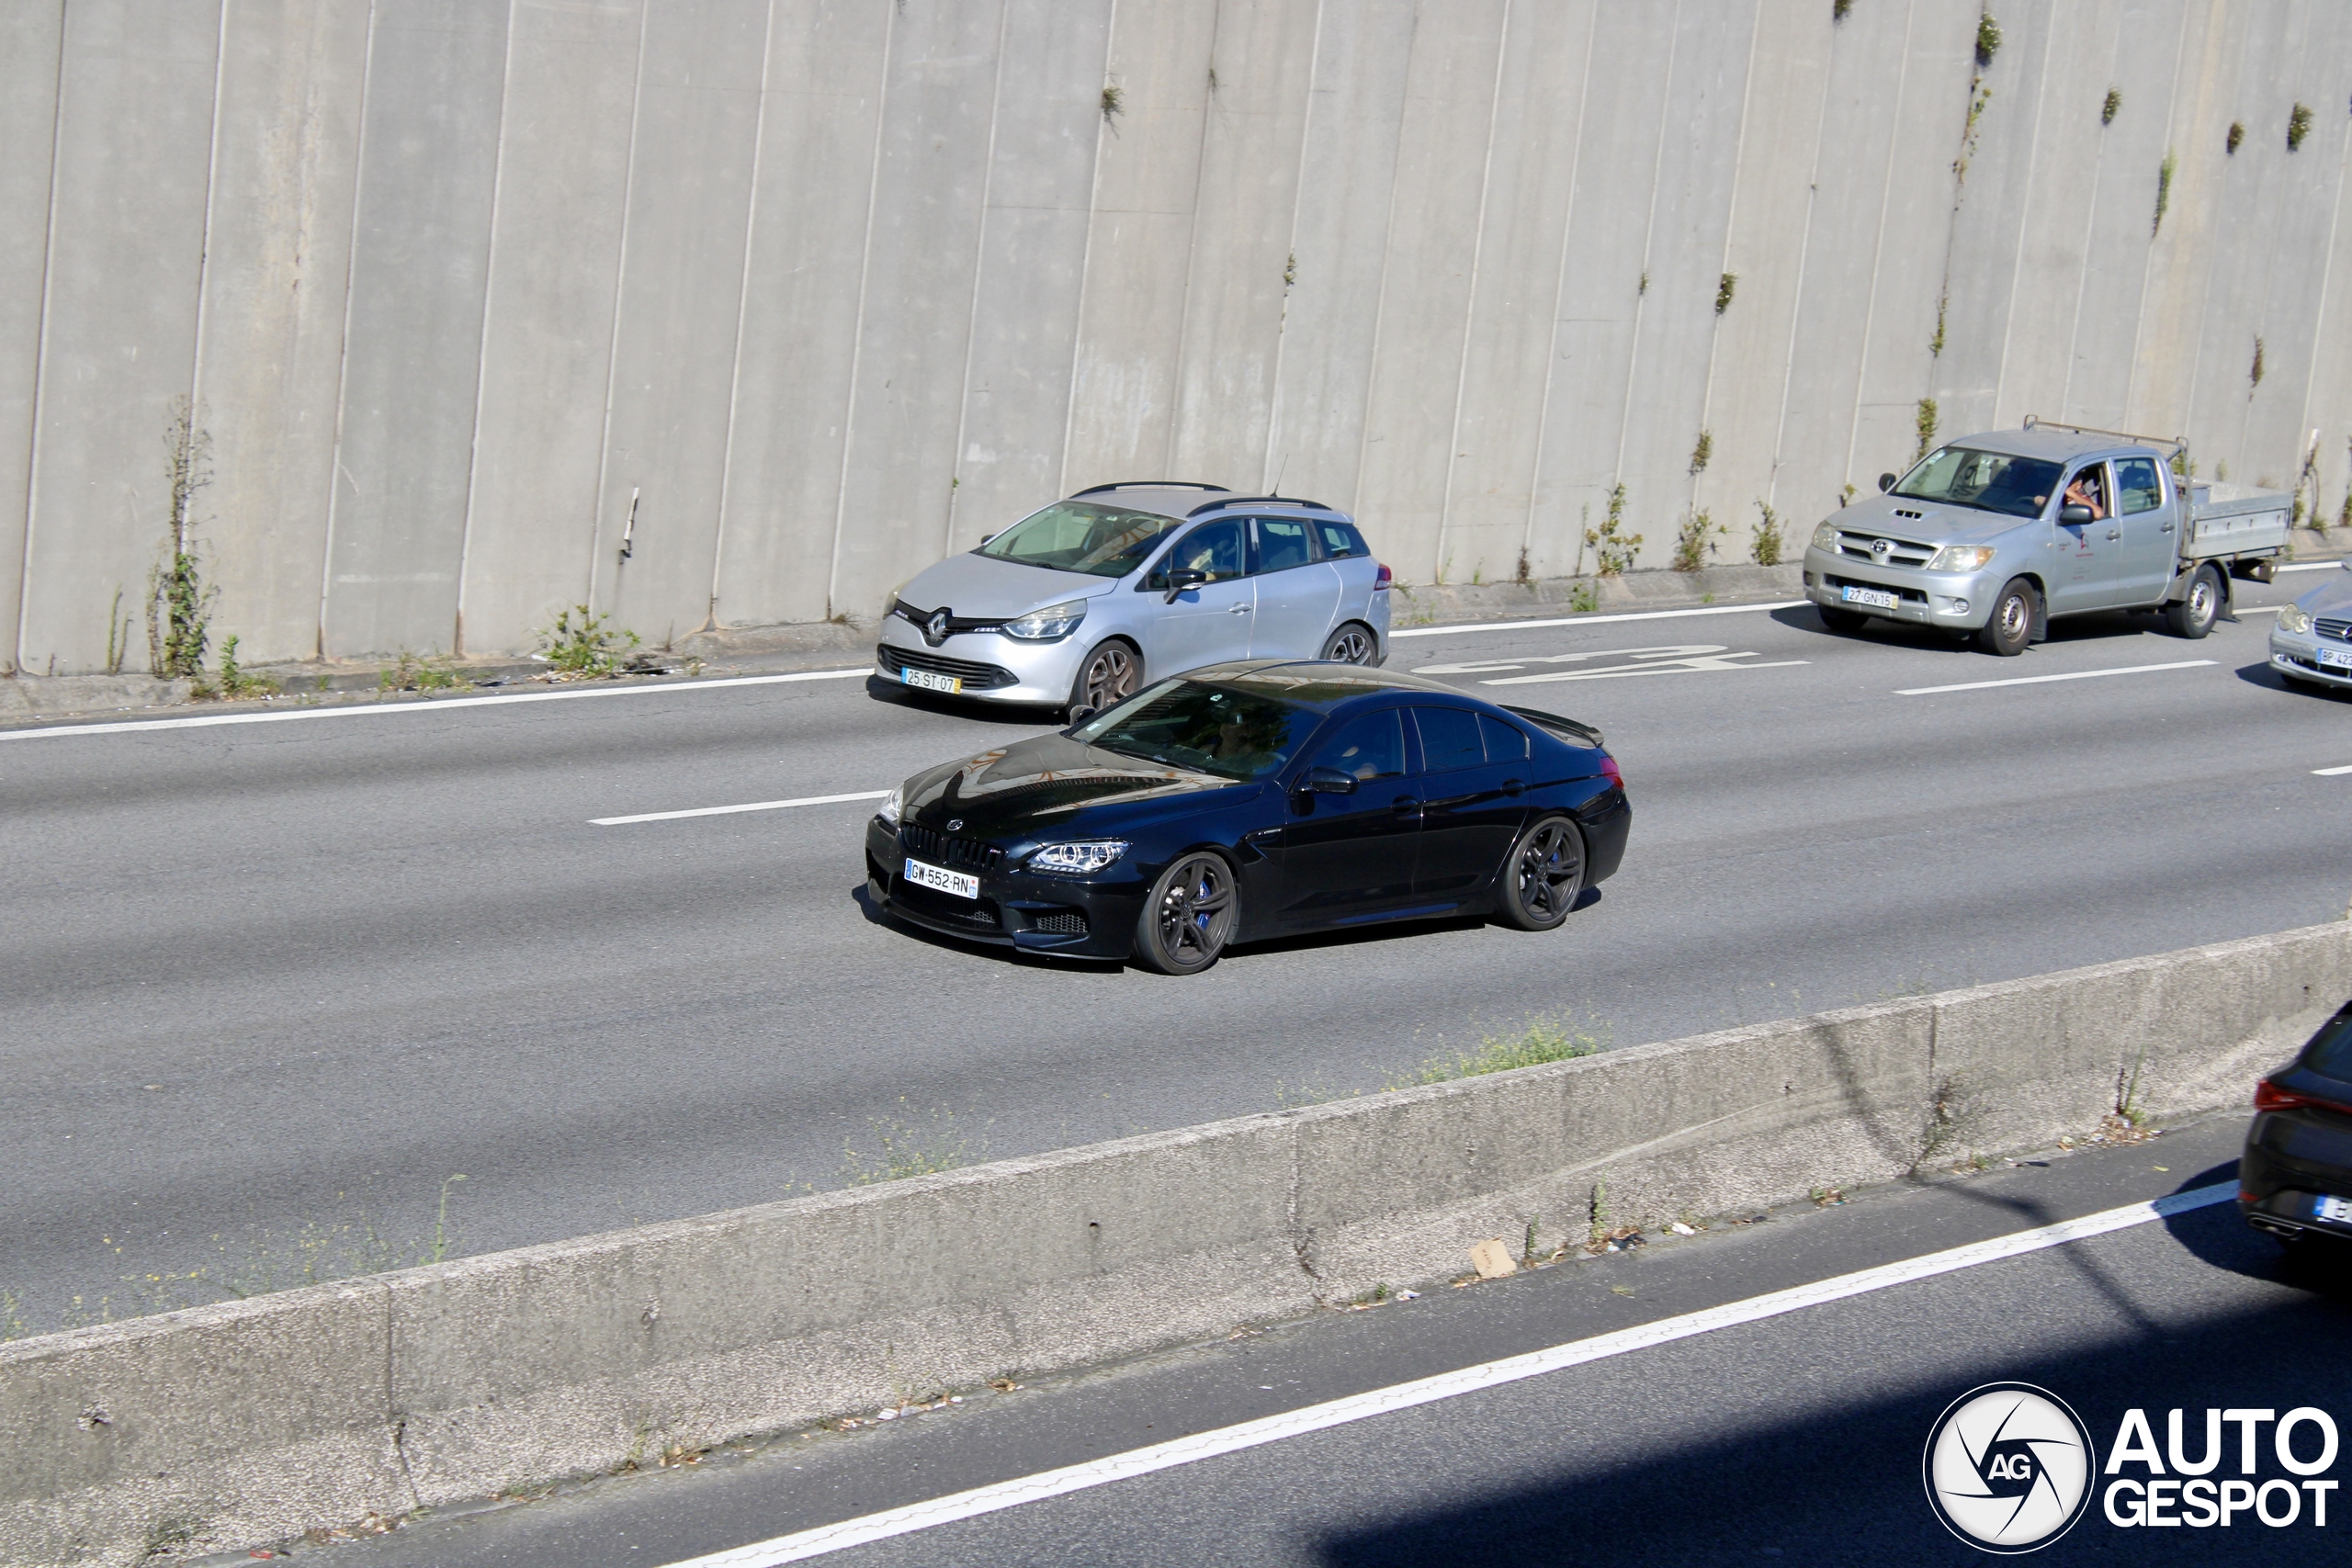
[(941, 880), (929, 682), (2336, 1211), (1876, 598), (2336, 658)]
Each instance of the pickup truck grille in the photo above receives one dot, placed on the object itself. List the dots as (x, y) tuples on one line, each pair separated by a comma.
[(1905, 552), (2328, 626)]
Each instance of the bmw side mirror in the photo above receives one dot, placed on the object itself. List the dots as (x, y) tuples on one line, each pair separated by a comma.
[(2077, 513), (1886, 481), (1179, 580), (1328, 781)]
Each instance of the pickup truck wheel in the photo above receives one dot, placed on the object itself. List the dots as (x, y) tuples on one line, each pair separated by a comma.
[(2011, 626), (1839, 620), (2199, 609)]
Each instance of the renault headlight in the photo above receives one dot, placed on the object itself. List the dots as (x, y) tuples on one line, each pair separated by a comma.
[(2294, 618), (891, 802), (1960, 557), (1080, 858), (1824, 535), (1045, 625)]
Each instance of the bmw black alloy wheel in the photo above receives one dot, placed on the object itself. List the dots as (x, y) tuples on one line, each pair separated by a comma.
[(1349, 645), (1190, 916), (1547, 874)]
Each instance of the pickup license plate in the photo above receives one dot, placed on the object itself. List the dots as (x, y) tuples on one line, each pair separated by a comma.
[(1876, 598), (940, 879), (2336, 658), (2336, 1210), (929, 682)]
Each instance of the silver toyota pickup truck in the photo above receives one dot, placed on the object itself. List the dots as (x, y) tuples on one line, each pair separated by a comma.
[(1991, 536)]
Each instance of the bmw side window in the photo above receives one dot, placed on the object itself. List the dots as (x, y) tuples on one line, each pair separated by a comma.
[(1505, 742), (1365, 749), (2138, 485), (1449, 738), (1282, 542)]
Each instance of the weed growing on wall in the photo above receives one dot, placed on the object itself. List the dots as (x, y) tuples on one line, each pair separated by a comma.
[(1613, 549), (1583, 599), (232, 683), (1694, 540), (582, 643), (1702, 451), (1840, 8), (2254, 372), (435, 673), (1521, 574), (1727, 285), (1544, 1039), (906, 1148), (2236, 137), (1115, 104), (179, 605), (1988, 39), (2344, 512), (1923, 422), (1936, 344), (118, 635), (2108, 109), (2164, 193), (1764, 547), (1644, 287), (2298, 125)]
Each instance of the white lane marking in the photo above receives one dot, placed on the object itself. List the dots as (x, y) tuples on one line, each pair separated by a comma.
[(1599, 620), (805, 1544), (2331, 772), (437, 704), (2044, 680), (2311, 566), (730, 810)]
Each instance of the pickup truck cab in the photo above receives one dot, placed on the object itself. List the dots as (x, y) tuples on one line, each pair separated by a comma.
[(1992, 535)]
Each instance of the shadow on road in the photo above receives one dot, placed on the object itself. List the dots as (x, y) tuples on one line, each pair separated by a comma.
[(2263, 675), (1012, 715)]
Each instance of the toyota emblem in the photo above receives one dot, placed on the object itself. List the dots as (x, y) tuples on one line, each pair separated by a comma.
[(1879, 548), (934, 630)]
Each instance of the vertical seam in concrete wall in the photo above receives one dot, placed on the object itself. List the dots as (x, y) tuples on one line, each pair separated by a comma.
[(743, 313), (1878, 258), (2305, 431), (1649, 234), (2025, 227), (40, 352), (1559, 290), (1353, 504), (1191, 256), (1731, 221), (620, 297), (481, 356), (1796, 291), (337, 475), (1270, 470), (2148, 258), (857, 327), (211, 199), (1085, 263), (2090, 229), (1470, 296), (980, 263)]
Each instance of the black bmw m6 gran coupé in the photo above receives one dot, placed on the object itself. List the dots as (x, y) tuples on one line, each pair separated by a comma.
[(1250, 800)]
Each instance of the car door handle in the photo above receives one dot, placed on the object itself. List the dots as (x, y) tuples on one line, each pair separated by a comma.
[(2114, 533), (1238, 609), (1514, 787), (1407, 806), (2166, 529)]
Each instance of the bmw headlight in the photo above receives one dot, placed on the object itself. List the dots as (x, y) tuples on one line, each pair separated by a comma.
[(891, 804), (1045, 625), (1081, 858), (2294, 618), (1960, 557), (1824, 535)]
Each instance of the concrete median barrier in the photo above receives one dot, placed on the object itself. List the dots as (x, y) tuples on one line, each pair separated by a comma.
[(249, 1422)]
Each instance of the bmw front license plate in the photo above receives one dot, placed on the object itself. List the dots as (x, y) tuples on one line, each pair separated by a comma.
[(1876, 598), (2336, 1211), (2336, 658), (941, 880), (929, 682)]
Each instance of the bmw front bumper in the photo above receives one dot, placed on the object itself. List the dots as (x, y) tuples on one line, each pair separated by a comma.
[(1064, 916), (1954, 601), (989, 665), (2297, 654)]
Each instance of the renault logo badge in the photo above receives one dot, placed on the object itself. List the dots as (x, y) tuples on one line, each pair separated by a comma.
[(934, 630)]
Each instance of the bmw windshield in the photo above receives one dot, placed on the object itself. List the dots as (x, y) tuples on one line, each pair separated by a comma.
[(1988, 481), (1203, 728), (1077, 535)]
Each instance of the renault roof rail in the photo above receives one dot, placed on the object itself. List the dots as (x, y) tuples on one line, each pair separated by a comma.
[(1260, 500), (1146, 484)]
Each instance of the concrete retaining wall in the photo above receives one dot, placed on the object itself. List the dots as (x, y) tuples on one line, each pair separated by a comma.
[(249, 1422), (832, 288)]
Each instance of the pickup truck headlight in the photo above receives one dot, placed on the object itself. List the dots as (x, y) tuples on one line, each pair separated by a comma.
[(1079, 859), (2294, 618), (1824, 535), (1045, 625), (1960, 557)]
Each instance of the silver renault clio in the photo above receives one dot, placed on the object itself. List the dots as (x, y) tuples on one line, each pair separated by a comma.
[(1070, 606)]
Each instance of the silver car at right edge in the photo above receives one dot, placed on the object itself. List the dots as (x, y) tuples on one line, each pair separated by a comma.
[(2311, 643)]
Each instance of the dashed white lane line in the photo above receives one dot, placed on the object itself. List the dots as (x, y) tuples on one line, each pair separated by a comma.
[(436, 704), (1599, 620), (1004, 1495), (2332, 772), (2044, 680), (732, 810)]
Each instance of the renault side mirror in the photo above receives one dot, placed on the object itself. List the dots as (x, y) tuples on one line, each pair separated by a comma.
[(1885, 482), (1181, 579), (1080, 712), (2076, 514), (1328, 781)]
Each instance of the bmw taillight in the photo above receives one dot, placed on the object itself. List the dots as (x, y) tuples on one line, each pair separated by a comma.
[(1385, 580), (2269, 1096), (1609, 770)]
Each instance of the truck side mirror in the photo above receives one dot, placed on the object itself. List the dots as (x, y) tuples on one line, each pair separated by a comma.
[(1885, 481), (1181, 579), (2076, 514)]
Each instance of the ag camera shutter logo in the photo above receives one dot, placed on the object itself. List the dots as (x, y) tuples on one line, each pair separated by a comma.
[(2009, 1468)]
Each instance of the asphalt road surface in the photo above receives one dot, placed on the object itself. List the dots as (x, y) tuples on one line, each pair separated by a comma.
[(1795, 1437), (269, 986)]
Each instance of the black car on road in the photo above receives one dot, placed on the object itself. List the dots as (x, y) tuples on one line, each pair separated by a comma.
[(2295, 1178), (1249, 800)]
